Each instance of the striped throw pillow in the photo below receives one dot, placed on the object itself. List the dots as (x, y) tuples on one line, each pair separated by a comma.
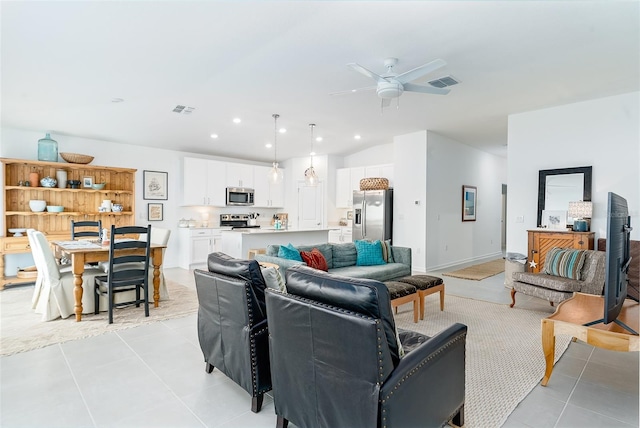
[(565, 263)]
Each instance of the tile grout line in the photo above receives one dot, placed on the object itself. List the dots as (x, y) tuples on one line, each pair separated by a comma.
[(160, 379), (574, 388), (75, 381)]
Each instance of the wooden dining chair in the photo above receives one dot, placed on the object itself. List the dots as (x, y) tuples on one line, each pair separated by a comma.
[(128, 270), (83, 229)]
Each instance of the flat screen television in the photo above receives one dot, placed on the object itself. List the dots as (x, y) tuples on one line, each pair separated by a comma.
[(617, 260)]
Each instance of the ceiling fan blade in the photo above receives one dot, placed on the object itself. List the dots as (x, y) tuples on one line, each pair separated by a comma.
[(423, 70), (352, 91), (360, 69), (427, 89)]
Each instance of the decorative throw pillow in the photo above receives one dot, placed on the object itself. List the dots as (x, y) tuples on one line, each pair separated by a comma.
[(564, 262), (289, 252), (273, 279), (386, 251), (315, 259), (369, 253)]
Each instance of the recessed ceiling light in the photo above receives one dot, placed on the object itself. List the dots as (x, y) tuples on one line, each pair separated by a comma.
[(268, 145), (357, 137), (318, 139), (282, 130), (117, 100), (214, 136), (236, 120)]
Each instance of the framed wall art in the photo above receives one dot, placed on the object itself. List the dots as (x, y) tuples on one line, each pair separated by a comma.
[(154, 212), (469, 203), (155, 185), (554, 219), (87, 181)]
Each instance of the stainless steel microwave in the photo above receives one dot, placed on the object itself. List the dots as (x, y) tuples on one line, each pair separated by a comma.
[(239, 196)]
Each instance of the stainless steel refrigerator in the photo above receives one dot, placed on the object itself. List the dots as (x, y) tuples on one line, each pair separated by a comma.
[(372, 214)]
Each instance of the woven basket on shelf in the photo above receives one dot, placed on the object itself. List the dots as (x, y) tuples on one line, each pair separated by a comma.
[(76, 158), (374, 183)]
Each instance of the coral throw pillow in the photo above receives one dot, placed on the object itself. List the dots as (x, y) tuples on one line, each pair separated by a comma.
[(315, 259)]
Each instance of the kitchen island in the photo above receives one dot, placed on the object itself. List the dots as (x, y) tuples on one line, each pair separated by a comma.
[(238, 242)]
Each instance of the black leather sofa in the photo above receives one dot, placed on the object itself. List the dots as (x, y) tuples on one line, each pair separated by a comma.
[(336, 362), (232, 323)]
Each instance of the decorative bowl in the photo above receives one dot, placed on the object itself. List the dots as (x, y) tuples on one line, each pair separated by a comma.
[(98, 186), (17, 232), (116, 208), (37, 206), (76, 158), (48, 182), (55, 208), (74, 184)]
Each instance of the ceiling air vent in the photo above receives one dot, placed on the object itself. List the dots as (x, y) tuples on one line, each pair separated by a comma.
[(443, 82), (183, 109)]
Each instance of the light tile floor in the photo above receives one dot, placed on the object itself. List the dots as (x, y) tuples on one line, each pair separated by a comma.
[(153, 376)]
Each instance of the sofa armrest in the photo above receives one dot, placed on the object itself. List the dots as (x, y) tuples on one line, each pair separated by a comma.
[(427, 387), (284, 264), (401, 255)]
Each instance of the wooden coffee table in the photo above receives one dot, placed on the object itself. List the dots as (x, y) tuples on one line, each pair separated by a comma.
[(581, 309)]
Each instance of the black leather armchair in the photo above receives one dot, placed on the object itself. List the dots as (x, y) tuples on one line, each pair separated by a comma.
[(335, 359), (232, 323)]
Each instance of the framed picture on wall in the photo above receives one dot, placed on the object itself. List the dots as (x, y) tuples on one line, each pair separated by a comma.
[(469, 203), (154, 185), (552, 219), (154, 212), (87, 181)]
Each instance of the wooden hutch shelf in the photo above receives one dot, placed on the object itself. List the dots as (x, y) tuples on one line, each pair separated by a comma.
[(79, 204)]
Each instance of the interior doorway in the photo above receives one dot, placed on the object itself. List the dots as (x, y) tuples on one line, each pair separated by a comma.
[(503, 219), (310, 206)]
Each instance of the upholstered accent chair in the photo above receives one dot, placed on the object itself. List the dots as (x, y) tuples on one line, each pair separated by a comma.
[(556, 288), (337, 360), (232, 323)]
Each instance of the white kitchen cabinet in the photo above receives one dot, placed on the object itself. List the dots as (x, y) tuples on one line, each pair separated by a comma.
[(347, 180), (267, 194), (196, 244), (340, 236), (240, 175), (384, 171), (204, 182)]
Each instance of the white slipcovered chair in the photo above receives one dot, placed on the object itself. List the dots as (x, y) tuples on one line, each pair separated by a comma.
[(53, 296), (159, 236)]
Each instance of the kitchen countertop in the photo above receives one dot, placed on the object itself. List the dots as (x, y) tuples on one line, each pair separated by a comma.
[(268, 230)]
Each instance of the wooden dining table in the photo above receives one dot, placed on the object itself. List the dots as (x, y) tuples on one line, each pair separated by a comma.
[(87, 251)]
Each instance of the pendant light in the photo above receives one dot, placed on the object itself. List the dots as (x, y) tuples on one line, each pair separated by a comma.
[(310, 176), (275, 173)]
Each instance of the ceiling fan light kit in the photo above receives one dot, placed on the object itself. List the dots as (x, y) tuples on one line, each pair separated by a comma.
[(275, 174), (393, 85)]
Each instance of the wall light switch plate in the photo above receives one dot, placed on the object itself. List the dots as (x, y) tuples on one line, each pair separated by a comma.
[(520, 219)]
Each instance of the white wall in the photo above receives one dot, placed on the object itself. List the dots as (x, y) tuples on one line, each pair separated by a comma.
[(450, 165), (603, 133), (376, 155), (410, 185), (21, 144)]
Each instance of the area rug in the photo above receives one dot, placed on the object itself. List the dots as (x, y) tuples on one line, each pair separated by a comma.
[(480, 271), (504, 359), (22, 330)]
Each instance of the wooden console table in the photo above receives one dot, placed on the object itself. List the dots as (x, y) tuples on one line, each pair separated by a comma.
[(584, 308)]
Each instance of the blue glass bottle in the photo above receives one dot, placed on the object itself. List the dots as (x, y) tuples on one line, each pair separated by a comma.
[(47, 149)]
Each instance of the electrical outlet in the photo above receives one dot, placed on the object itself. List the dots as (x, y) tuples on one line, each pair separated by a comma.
[(520, 219)]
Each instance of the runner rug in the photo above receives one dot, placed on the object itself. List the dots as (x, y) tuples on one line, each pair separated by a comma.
[(480, 271)]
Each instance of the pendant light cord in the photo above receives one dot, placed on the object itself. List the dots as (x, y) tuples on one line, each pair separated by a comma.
[(275, 138)]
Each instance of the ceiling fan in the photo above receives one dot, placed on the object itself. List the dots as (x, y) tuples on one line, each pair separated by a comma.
[(392, 85)]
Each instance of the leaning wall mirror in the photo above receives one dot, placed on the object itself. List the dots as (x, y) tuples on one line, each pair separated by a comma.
[(558, 187)]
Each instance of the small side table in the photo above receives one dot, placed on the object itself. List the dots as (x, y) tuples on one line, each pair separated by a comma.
[(584, 308)]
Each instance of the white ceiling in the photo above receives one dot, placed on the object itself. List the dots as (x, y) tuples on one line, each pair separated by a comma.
[(64, 62)]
